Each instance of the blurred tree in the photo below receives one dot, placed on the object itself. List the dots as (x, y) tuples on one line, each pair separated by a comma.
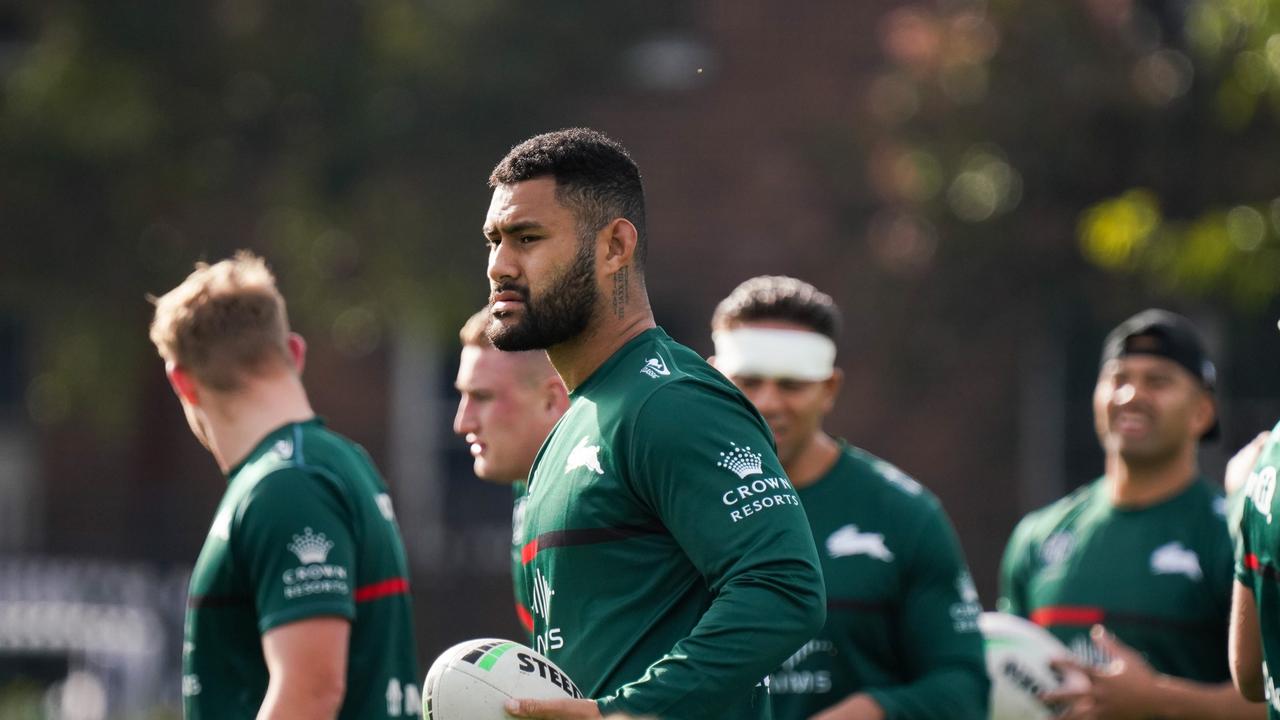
[(338, 139), (1142, 128)]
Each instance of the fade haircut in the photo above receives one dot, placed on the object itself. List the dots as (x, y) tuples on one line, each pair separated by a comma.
[(224, 322), (595, 178), (776, 297)]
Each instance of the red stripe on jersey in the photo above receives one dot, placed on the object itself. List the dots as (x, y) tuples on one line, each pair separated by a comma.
[(526, 620), (384, 588), (1066, 615), (528, 551), (1251, 562)]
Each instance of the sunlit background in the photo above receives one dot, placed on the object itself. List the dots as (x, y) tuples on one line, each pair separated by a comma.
[(985, 188)]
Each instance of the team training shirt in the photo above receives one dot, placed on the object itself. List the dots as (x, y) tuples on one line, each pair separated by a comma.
[(304, 530), (668, 559), (902, 611), (523, 614), (1258, 558), (1159, 577)]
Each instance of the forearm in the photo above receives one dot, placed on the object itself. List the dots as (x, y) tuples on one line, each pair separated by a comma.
[(756, 621), (286, 700), (1179, 699)]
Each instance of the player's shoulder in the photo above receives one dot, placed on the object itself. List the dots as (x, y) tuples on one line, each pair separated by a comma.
[(297, 463), (663, 377), (1062, 512), (654, 360), (1208, 497), (887, 480), (1207, 502)]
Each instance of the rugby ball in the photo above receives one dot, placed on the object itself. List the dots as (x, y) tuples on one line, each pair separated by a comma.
[(1018, 653), (473, 679)]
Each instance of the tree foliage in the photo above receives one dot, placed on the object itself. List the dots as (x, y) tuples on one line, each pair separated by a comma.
[(1145, 127), (339, 139)]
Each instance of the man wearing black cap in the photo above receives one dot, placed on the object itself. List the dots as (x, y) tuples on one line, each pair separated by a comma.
[(1133, 571)]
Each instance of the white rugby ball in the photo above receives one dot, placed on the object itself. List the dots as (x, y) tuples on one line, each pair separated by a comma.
[(1018, 653), (473, 679)]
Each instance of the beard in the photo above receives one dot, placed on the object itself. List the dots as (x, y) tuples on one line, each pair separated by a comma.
[(561, 313)]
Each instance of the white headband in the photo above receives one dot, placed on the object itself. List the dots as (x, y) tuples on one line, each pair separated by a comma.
[(774, 353)]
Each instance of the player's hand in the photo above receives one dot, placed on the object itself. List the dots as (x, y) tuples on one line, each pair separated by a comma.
[(1122, 689), (854, 707), (1241, 464), (567, 709)]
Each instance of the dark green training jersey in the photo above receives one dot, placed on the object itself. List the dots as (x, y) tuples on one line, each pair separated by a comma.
[(304, 530), (902, 611), (519, 490), (1159, 577), (1258, 558), (668, 559)]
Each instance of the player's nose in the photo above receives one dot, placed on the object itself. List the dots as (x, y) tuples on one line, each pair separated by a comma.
[(464, 420), (502, 264)]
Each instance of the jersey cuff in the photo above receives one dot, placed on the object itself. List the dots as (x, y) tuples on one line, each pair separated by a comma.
[(886, 702), (342, 609)]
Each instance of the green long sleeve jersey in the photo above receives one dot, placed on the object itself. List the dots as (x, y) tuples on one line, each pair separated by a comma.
[(304, 530), (902, 611), (1159, 577), (1257, 564), (667, 559), (519, 490)]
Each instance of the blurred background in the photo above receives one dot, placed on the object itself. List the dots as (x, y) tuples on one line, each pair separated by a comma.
[(986, 188)]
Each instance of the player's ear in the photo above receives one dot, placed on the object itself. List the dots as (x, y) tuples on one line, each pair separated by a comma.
[(832, 386), (556, 397), (620, 239), (184, 386), (297, 351), (1206, 411)]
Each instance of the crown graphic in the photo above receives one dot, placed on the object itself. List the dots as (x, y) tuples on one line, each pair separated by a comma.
[(741, 461), (310, 547)]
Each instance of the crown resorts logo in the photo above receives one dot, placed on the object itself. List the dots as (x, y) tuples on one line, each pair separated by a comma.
[(741, 461), (310, 548)]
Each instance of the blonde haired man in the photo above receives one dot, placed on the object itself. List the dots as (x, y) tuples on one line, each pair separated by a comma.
[(298, 605), (508, 403)]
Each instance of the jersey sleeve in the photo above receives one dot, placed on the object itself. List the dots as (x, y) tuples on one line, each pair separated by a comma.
[(294, 538), (939, 639), (1240, 539), (1221, 569), (1014, 567), (704, 463)]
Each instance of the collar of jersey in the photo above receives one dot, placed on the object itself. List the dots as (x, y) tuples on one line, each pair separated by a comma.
[(648, 336), (271, 438), (1102, 496)]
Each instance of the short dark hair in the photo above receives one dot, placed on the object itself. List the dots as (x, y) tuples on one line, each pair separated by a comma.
[(595, 177), (776, 297)]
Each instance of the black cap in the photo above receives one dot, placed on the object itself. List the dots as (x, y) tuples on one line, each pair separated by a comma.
[(1167, 335)]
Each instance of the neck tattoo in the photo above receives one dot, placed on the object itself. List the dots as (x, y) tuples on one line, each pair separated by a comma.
[(620, 293)]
